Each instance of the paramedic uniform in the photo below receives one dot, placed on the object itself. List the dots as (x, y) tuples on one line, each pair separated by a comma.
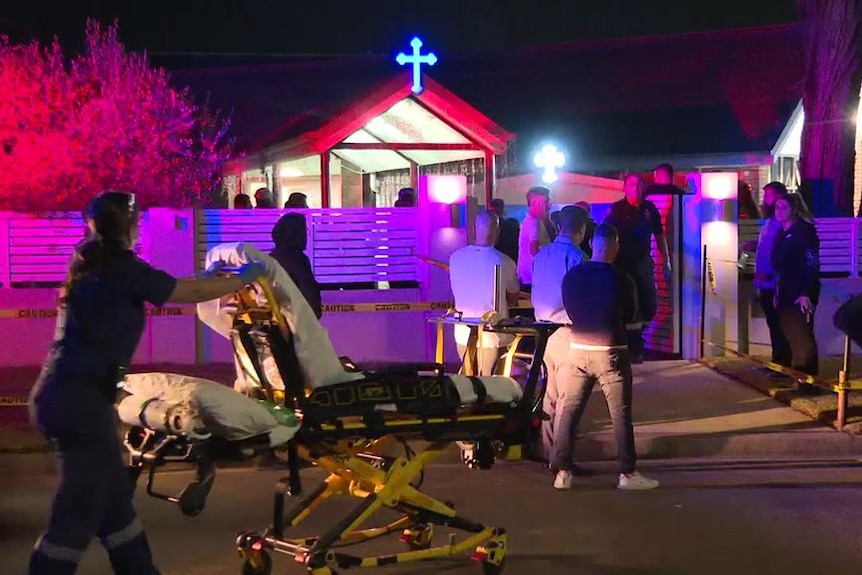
[(72, 404)]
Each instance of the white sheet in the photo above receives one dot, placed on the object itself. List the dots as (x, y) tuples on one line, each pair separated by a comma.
[(206, 406), (498, 388), (314, 350)]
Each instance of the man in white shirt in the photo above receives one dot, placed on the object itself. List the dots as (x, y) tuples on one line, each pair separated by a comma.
[(534, 233), (550, 266), (471, 275)]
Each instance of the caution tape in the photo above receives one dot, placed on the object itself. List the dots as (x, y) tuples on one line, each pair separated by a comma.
[(13, 401), (174, 311), (800, 376), (50, 313), (387, 307)]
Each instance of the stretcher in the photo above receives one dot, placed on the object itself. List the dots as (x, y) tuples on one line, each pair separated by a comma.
[(348, 429)]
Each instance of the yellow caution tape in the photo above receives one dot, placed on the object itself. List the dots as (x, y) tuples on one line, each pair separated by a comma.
[(13, 401), (379, 307), (800, 376), (50, 313), (175, 311)]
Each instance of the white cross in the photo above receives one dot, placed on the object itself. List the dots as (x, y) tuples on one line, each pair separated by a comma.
[(549, 159), (417, 60)]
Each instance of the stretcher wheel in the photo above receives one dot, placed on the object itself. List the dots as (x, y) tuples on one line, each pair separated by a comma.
[(418, 537), (265, 567)]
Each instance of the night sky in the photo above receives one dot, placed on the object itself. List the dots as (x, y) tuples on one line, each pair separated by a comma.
[(281, 28)]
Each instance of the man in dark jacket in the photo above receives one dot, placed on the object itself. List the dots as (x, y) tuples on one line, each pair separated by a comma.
[(290, 237)]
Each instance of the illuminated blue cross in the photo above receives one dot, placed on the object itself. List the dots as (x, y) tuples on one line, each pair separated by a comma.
[(417, 60)]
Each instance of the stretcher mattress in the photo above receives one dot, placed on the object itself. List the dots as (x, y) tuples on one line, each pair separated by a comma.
[(181, 404)]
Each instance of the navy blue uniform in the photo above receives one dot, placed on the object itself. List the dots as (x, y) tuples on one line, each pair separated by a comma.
[(796, 260), (636, 226), (72, 403)]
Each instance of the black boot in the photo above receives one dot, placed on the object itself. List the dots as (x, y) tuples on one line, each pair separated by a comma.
[(133, 557)]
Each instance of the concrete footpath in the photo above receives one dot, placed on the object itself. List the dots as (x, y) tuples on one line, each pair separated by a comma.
[(681, 409)]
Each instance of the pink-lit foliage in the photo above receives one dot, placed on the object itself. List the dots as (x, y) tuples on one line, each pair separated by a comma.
[(105, 120)]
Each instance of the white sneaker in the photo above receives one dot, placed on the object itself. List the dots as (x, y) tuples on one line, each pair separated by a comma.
[(635, 482), (563, 480)]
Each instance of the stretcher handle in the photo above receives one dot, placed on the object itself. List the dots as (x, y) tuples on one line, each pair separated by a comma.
[(268, 292)]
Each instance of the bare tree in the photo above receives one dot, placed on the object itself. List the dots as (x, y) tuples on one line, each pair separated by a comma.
[(832, 32)]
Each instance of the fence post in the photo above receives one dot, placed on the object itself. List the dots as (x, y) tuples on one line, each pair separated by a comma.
[(854, 247), (5, 259)]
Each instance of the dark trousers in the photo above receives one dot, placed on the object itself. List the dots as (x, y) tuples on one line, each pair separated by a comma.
[(800, 335), (781, 353), (612, 370), (94, 498), (643, 274)]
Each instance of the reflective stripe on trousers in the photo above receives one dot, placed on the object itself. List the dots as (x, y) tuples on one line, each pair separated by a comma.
[(124, 535)]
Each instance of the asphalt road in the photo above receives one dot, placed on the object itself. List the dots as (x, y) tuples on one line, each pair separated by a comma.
[(709, 517)]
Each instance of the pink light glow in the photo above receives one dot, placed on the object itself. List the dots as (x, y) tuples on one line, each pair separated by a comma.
[(447, 189), (720, 185), (105, 120)]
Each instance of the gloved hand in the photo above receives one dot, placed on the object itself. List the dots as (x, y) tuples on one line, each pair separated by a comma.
[(250, 272), (211, 271)]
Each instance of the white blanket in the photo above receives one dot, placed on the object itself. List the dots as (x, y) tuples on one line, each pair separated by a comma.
[(175, 403), (314, 350)]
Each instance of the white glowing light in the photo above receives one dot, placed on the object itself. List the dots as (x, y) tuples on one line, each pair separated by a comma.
[(549, 159)]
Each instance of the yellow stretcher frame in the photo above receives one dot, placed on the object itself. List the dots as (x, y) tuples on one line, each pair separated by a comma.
[(358, 466)]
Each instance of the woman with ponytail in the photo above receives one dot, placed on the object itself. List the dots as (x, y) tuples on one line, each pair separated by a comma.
[(99, 324)]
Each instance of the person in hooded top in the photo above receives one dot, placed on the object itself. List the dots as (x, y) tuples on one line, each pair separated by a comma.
[(291, 238)]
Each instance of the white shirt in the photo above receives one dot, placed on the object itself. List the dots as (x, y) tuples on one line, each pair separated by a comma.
[(532, 230), (550, 265), (471, 275)]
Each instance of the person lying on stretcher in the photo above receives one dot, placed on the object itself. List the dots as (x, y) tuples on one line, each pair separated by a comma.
[(194, 407)]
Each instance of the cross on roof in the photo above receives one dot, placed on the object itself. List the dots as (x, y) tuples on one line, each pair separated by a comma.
[(417, 59), (549, 159)]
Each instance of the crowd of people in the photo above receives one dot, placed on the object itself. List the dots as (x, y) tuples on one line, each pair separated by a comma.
[(597, 281)]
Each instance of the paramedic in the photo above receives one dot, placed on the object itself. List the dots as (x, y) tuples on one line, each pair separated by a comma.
[(99, 323), (637, 220)]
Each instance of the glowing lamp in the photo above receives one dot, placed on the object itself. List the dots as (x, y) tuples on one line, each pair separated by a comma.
[(718, 234), (549, 159), (719, 186), (416, 60), (447, 189)]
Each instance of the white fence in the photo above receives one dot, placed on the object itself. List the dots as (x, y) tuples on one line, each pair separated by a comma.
[(345, 246), (840, 239)]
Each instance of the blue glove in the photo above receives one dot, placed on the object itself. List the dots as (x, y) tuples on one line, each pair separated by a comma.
[(211, 271), (250, 272)]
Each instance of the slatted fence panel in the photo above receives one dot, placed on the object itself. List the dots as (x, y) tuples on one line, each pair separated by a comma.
[(836, 248), (749, 230), (40, 248), (35, 250), (659, 335), (837, 239), (345, 246)]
